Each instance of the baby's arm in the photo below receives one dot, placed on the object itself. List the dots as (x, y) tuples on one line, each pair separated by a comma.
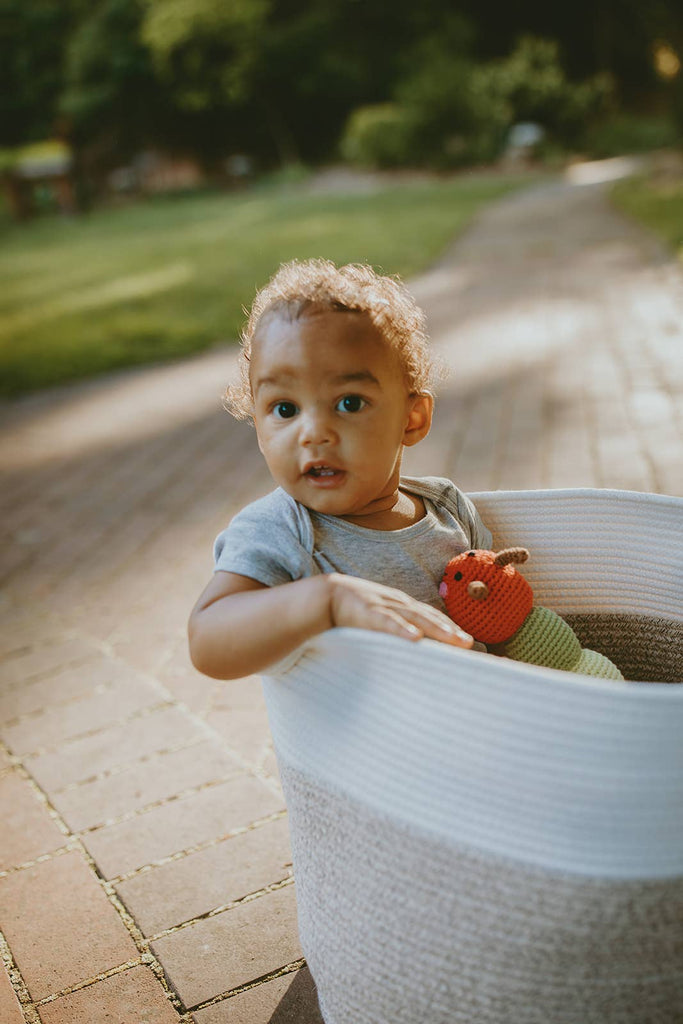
[(239, 626)]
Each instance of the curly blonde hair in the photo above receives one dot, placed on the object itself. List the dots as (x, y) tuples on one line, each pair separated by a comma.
[(301, 287)]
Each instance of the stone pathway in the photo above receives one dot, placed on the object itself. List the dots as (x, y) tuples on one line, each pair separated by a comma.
[(145, 872)]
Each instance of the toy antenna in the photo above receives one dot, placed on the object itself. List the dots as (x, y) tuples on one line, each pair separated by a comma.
[(511, 555)]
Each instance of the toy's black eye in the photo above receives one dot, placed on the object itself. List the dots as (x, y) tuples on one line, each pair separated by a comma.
[(458, 576), (471, 554)]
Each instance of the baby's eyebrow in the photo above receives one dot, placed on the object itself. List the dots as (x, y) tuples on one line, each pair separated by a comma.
[(284, 378), (359, 377), (274, 379)]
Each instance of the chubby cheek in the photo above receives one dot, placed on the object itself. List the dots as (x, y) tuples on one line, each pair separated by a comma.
[(381, 444), (386, 455), (274, 450), (269, 438)]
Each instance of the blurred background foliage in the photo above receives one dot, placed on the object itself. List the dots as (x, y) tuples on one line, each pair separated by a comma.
[(383, 84), (159, 279), (215, 112)]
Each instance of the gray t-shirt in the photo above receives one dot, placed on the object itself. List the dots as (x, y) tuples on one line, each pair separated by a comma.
[(276, 540)]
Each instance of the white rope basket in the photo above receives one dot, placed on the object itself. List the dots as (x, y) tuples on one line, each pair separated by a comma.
[(478, 840)]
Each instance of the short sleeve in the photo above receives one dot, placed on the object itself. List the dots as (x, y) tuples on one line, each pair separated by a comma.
[(480, 536), (445, 493), (267, 541)]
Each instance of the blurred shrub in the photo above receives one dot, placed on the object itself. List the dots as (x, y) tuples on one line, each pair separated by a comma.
[(380, 135), (449, 110), (443, 116), (630, 133), (533, 86), (287, 176), (455, 116)]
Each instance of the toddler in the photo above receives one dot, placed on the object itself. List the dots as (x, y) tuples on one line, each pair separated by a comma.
[(336, 375)]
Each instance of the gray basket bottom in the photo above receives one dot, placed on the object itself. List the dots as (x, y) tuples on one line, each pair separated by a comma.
[(644, 648), (399, 928)]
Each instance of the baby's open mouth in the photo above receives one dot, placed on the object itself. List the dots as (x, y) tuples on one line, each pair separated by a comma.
[(324, 475)]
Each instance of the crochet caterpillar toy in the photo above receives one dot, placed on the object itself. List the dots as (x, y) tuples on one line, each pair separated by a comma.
[(484, 593)]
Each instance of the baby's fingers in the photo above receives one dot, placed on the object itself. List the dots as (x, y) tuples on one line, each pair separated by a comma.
[(360, 603), (417, 621), (384, 620), (436, 626)]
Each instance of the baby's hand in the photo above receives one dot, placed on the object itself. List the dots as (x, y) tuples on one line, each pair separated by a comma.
[(366, 605)]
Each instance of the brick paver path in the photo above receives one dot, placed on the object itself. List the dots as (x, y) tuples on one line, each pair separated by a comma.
[(145, 867)]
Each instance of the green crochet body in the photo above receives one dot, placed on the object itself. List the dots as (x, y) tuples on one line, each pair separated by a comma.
[(546, 639)]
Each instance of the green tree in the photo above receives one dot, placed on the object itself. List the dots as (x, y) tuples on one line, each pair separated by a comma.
[(33, 38), (279, 78), (209, 54), (454, 119), (206, 49), (110, 91), (532, 84), (450, 110), (284, 74)]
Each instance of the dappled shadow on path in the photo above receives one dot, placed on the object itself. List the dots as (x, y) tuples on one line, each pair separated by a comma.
[(555, 316)]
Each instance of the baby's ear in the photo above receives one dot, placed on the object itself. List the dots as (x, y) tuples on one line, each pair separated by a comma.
[(420, 412)]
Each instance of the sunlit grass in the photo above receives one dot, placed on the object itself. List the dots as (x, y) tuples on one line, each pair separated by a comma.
[(165, 278), (658, 204)]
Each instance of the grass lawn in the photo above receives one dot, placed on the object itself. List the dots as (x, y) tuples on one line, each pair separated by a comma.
[(164, 278), (658, 204)]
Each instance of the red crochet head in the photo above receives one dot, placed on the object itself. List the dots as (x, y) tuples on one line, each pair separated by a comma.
[(484, 593)]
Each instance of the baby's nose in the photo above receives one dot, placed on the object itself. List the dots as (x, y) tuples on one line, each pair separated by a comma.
[(316, 428)]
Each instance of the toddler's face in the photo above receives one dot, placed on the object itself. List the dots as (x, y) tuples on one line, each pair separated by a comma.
[(332, 411)]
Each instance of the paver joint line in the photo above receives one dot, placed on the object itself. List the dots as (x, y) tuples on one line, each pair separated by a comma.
[(38, 677), (216, 911), (111, 973), (143, 944), (128, 766), (43, 859), (139, 812), (24, 773), (146, 955), (74, 844), (18, 984), (290, 968), (31, 1008), (170, 701), (48, 708), (87, 733), (182, 854)]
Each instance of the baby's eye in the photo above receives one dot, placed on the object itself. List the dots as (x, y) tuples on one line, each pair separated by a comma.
[(285, 410), (351, 403)]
